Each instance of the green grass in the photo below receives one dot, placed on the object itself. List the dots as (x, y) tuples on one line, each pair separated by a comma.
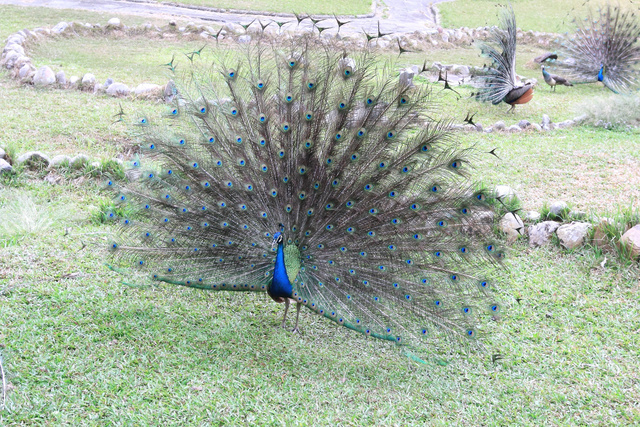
[(553, 17), (324, 7), (81, 348)]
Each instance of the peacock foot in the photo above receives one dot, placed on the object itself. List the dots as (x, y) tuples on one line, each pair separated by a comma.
[(295, 331)]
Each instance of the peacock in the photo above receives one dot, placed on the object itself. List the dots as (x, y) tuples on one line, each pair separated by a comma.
[(605, 49), (553, 79), (500, 83), (316, 176)]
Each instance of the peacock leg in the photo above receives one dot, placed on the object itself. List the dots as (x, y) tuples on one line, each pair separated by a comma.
[(513, 107), (286, 308), (295, 329)]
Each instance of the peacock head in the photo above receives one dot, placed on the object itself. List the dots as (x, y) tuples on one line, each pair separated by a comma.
[(278, 239)]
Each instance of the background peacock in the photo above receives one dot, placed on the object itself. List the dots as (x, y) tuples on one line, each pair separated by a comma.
[(500, 83), (605, 48), (317, 177), (554, 80)]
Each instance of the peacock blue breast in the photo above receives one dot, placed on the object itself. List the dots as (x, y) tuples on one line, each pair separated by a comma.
[(601, 74), (280, 286)]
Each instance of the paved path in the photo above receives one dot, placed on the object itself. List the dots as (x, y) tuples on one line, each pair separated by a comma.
[(399, 16)]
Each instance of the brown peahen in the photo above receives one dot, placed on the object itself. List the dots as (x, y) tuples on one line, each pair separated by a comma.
[(317, 177), (553, 79)]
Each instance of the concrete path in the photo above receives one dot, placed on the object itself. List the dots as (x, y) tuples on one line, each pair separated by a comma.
[(398, 16)]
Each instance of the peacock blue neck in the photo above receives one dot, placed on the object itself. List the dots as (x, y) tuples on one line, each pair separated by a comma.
[(601, 74), (280, 286)]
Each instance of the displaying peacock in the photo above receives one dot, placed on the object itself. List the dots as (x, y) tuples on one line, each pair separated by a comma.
[(500, 82), (318, 177), (605, 48)]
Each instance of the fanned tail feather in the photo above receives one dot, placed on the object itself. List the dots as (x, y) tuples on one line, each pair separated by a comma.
[(384, 231)]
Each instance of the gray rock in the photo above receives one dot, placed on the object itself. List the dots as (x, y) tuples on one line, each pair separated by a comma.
[(20, 61), (460, 70), (76, 162), (108, 82), (540, 234), (14, 47), (88, 81), (600, 235), (118, 89), (581, 118), (566, 124), (59, 160), (113, 23), (488, 130), (99, 88), (25, 71), (3, 155), (172, 23), (481, 225), (511, 225), (10, 58), (170, 91), (182, 29), (96, 164), (504, 192), (632, 239), (15, 39), (536, 127), (545, 121), (5, 166), (573, 235), (499, 125), (73, 80), (406, 77), (60, 27), (244, 39), (557, 207), (514, 129), (33, 158), (148, 90), (524, 124), (532, 216), (61, 79), (44, 76)]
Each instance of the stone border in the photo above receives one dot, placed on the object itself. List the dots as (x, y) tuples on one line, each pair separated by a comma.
[(570, 227), (15, 59)]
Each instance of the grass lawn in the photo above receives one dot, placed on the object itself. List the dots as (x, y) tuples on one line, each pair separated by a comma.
[(80, 348), (552, 17), (324, 7)]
